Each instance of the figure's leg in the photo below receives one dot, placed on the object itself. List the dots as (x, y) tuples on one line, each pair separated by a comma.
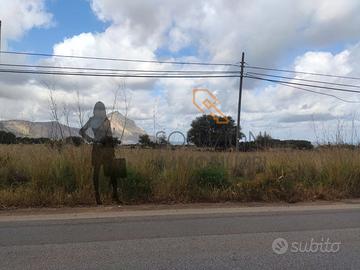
[(115, 196), (96, 183)]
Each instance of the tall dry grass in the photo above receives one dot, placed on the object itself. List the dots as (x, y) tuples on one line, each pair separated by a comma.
[(38, 175)]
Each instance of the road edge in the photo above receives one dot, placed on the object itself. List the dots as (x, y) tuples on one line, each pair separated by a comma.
[(169, 210)]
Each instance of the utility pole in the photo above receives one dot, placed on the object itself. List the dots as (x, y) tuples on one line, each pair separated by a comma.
[(239, 104), (0, 40)]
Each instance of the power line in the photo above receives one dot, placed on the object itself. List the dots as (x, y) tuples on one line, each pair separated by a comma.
[(320, 93), (303, 84), (304, 80), (119, 59), (303, 72), (312, 91), (121, 70), (187, 73), (139, 75), (88, 74)]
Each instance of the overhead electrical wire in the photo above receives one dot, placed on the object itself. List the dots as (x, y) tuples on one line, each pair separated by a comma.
[(315, 92), (120, 70), (303, 84), (299, 79), (151, 73), (319, 93), (125, 75), (302, 72), (118, 59)]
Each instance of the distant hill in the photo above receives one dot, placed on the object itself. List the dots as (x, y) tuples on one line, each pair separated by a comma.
[(131, 132), (52, 129)]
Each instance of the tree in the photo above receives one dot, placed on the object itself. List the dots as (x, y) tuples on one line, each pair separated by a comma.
[(144, 140), (7, 137), (162, 140), (264, 139), (205, 132), (54, 111)]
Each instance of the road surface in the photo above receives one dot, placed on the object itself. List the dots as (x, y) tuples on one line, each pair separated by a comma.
[(214, 238)]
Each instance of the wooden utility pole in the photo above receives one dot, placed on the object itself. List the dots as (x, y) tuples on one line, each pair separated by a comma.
[(239, 104), (0, 40)]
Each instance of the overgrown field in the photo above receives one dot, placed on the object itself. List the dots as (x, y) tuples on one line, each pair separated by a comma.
[(38, 175)]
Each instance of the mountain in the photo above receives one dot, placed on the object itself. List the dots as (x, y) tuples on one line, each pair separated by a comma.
[(30, 129), (52, 129), (131, 131)]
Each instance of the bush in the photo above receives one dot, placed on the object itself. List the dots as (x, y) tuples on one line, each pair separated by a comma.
[(10, 176), (144, 140), (7, 137), (135, 187), (77, 141), (211, 177), (66, 177)]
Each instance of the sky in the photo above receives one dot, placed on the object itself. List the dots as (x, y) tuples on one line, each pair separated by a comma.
[(320, 36)]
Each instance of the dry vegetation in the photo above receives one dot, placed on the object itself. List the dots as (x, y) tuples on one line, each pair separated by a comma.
[(38, 175)]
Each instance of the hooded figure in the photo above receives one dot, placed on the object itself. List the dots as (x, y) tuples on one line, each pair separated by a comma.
[(103, 152)]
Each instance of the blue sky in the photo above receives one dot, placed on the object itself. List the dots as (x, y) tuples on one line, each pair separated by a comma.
[(70, 18), (318, 36)]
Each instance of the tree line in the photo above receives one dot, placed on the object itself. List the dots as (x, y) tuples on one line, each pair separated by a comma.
[(10, 138), (206, 132)]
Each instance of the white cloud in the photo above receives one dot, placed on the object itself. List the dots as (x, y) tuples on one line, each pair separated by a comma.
[(270, 32), (19, 16), (178, 39), (302, 110)]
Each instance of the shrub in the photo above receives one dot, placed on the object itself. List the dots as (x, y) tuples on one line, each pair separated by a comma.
[(135, 187), (7, 137), (211, 177)]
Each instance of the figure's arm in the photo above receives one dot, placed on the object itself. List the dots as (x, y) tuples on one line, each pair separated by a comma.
[(82, 131)]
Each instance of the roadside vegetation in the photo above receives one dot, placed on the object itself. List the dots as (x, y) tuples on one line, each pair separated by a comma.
[(43, 175)]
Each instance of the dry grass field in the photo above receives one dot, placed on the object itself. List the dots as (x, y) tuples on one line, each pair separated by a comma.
[(38, 175)]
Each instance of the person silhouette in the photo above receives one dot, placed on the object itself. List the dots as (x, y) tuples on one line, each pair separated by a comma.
[(103, 152)]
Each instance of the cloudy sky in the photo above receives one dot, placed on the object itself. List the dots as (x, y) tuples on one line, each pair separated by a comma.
[(321, 36)]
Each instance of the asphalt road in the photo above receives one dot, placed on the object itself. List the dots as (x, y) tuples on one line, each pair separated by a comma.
[(201, 239)]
